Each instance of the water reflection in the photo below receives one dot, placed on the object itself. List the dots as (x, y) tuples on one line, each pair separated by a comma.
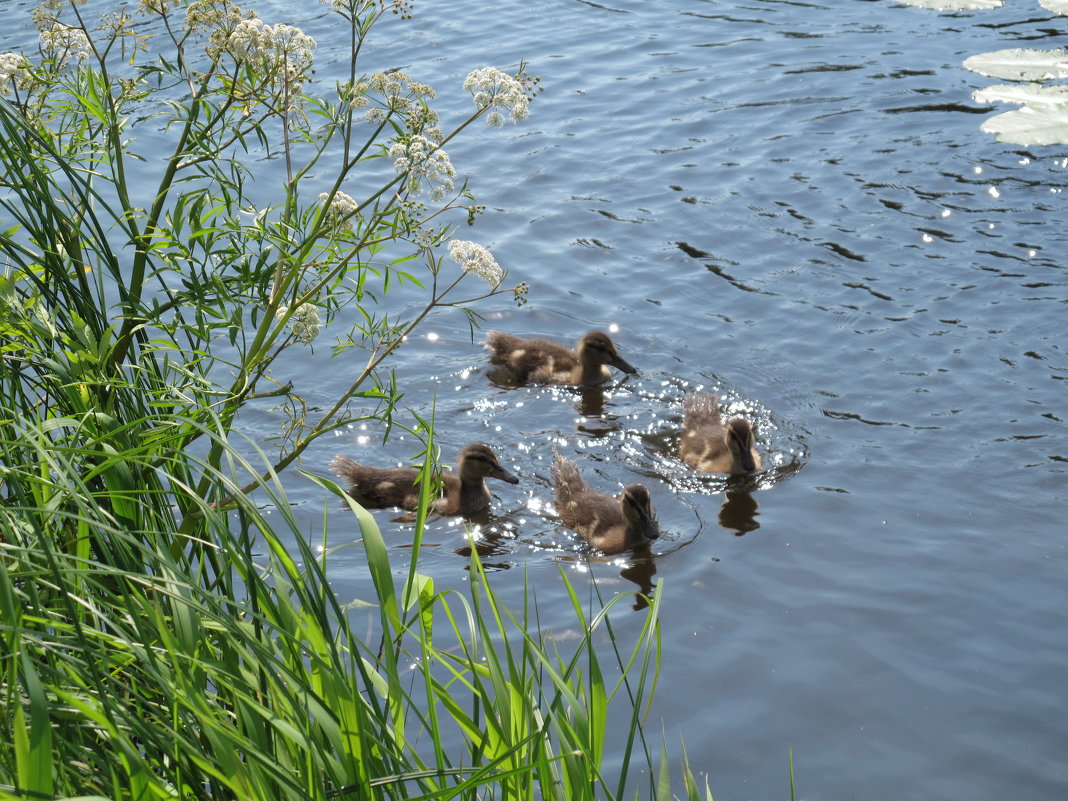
[(590, 402), (738, 513), (640, 570)]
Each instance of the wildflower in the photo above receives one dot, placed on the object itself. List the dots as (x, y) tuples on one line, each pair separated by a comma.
[(297, 47), (304, 324), (423, 159), (338, 215), (499, 93), (14, 69), (61, 43), (520, 293), (57, 5), (279, 50), (474, 258), (248, 40), (220, 18), (156, 6), (400, 96)]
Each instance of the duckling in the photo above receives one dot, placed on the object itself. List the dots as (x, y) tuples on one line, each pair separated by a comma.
[(711, 447), (610, 524), (539, 361), (466, 495)]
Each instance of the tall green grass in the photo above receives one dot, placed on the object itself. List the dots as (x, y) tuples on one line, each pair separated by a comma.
[(227, 667)]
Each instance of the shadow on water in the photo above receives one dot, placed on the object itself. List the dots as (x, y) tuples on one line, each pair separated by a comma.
[(739, 512)]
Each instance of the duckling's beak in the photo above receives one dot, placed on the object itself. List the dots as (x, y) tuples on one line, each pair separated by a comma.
[(622, 364), (747, 461), (654, 525), (648, 515), (499, 471)]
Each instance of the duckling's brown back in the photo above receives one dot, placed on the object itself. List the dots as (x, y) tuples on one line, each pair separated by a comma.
[(536, 360)]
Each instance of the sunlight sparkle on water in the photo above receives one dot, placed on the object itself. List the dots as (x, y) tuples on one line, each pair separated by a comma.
[(432, 336), (993, 192), (613, 328), (946, 212)]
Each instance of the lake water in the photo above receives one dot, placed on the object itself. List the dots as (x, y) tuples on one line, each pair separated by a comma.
[(791, 204)]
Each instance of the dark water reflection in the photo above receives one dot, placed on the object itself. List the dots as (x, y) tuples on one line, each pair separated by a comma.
[(791, 205)]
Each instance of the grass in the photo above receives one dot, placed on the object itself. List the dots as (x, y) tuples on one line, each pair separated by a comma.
[(225, 666)]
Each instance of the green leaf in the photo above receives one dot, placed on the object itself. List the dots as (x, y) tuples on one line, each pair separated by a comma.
[(1020, 65), (33, 743), (1031, 126)]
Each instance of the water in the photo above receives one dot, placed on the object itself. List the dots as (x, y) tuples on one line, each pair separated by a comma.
[(790, 204)]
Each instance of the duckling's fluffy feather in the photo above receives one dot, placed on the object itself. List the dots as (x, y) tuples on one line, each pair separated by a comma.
[(388, 487), (610, 524), (710, 446), (541, 361)]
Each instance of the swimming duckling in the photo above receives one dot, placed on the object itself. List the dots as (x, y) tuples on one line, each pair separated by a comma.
[(711, 447), (467, 495), (539, 361), (610, 524)]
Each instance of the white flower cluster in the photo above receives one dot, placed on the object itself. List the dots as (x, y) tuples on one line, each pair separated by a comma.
[(57, 5), (157, 6), (339, 214), (500, 93), (253, 41), (400, 96), (61, 43), (474, 258), (304, 323), (421, 159), (215, 16), (14, 71)]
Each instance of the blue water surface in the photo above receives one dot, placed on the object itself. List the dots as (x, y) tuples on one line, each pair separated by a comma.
[(790, 204)]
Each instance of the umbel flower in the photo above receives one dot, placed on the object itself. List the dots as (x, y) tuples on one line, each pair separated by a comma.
[(14, 71), (395, 94), (57, 5), (61, 43), (422, 160), (255, 43), (338, 216), (500, 93), (304, 323), (473, 258), (157, 6), (273, 52)]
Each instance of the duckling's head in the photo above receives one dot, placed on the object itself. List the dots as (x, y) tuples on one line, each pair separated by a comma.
[(597, 348), (740, 440), (638, 510), (479, 461)]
